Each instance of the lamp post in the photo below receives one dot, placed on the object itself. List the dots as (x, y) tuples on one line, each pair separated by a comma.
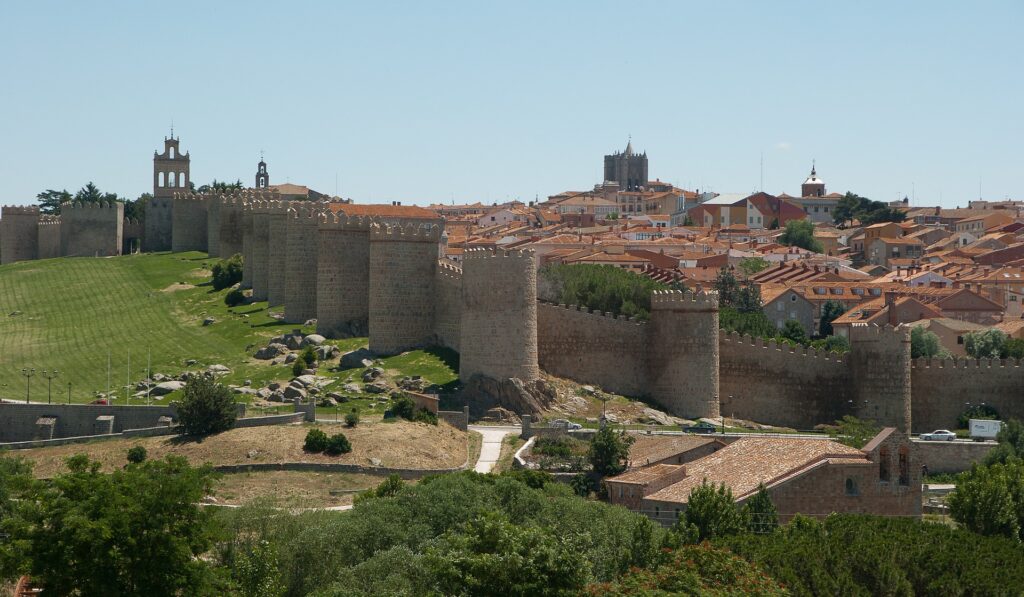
[(28, 373), (49, 375), (69, 392)]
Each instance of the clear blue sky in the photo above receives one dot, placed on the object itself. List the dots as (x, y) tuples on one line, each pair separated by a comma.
[(434, 101)]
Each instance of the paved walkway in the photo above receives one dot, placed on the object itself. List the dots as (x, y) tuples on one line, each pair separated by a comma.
[(490, 449)]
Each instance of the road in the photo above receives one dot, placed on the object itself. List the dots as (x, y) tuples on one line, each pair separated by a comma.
[(490, 449)]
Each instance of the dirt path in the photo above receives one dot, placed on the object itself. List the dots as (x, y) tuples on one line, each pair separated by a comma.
[(490, 450)]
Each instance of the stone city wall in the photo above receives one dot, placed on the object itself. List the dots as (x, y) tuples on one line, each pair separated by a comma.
[(19, 233), (499, 315), (448, 305), (213, 207), (18, 421), (683, 359), (188, 222), (301, 253), (132, 233), (880, 369), (248, 230), (403, 264), (158, 223), (230, 236), (343, 275), (594, 348), (277, 251), (941, 389), (49, 237), (91, 229), (777, 384), (260, 249)]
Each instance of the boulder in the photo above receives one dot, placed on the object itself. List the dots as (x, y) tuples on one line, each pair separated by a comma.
[(290, 358), (339, 398), (159, 377), (305, 380), (352, 388), (413, 384), (191, 362), (357, 358), (377, 387), (308, 372), (218, 369), (209, 321), (277, 396), (313, 340), (483, 393), (326, 352), (328, 402), (372, 373), (264, 393), (501, 415), (164, 388), (294, 342), (274, 386), (270, 351), (294, 393)]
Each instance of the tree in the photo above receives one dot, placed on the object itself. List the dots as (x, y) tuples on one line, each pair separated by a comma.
[(135, 531), (315, 442), (989, 500), (830, 311), (976, 411), (50, 201), (137, 454), (924, 343), (727, 286), (603, 287), (17, 487), (762, 517), (800, 233), (748, 299), (854, 432), (136, 210), (794, 332), (852, 206), (206, 406), (1010, 443), (256, 571), (846, 208), (218, 186), (713, 512), (338, 444), (985, 344), (609, 451), (227, 272), (832, 344), (752, 265), (352, 418), (1014, 348), (755, 324)]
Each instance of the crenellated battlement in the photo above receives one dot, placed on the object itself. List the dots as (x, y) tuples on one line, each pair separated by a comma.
[(684, 300), (524, 254), (19, 210), (49, 220), (604, 315), (887, 334), (305, 210), (341, 221), (448, 270), (408, 233), (748, 341), (194, 197), (69, 206), (965, 363)]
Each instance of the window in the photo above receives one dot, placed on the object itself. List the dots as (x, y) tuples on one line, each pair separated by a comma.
[(959, 339), (779, 306), (815, 209), (883, 465), (792, 298), (904, 466), (620, 491), (826, 209), (851, 486), (657, 511), (160, 179), (170, 152)]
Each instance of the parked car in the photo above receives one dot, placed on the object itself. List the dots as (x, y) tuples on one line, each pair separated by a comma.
[(983, 429), (939, 435), (566, 424), (701, 427)]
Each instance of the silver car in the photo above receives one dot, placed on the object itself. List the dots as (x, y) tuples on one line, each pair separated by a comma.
[(939, 435)]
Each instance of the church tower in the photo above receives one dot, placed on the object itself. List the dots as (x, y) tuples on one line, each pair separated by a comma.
[(170, 170), (813, 186), (626, 168), (262, 178)]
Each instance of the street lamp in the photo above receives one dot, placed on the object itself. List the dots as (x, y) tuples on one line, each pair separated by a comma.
[(69, 392), (49, 375), (28, 373)]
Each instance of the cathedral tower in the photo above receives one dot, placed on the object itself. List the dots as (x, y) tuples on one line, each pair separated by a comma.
[(262, 178)]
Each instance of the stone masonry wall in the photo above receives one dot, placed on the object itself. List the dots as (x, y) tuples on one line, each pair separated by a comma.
[(188, 222), (91, 229), (343, 278), (159, 220), (277, 250), (49, 237), (499, 315), (448, 305), (248, 238), (19, 233), (593, 348), (18, 421), (880, 368), (777, 384), (683, 360), (132, 234), (213, 207), (941, 389), (260, 250), (301, 252), (230, 238), (403, 265)]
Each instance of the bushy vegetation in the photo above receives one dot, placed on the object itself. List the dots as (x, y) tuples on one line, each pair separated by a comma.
[(924, 343), (865, 555), (315, 442), (1010, 443), (136, 454), (854, 432), (993, 344), (405, 407), (609, 451), (800, 233), (234, 297), (227, 272), (337, 445), (852, 206), (206, 406), (352, 418), (602, 287), (976, 411)]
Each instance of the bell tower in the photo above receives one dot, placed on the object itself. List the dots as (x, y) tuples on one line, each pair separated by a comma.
[(170, 169), (262, 178)]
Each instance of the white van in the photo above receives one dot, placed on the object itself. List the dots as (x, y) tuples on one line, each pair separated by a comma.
[(983, 429)]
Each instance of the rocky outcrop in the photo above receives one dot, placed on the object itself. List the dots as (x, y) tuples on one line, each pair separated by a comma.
[(482, 394)]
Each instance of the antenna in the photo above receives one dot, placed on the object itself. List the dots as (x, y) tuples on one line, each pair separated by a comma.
[(762, 172), (172, 128)]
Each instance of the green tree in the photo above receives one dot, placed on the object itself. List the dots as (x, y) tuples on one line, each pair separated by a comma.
[(925, 344), (337, 445), (976, 411), (985, 344), (352, 418), (1014, 348), (206, 406), (794, 332), (609, 451), (832, 344), (752, 265), (315, 442), (135, 531), (846, 208), (748, 300), (136, 210), (50, 201), (713, 512), (602, 287), (137, 454), (256, 570), (830, 311), (227, 272), (854, 432), (989, 500), (1010, 443), (755, 324), (727, 286), (17, 489), (800, 233), (218, 186), (761, 514)]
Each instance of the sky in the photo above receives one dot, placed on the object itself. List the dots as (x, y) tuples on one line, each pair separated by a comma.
[(452, 101)]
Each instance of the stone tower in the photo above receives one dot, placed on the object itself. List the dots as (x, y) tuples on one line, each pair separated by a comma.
[(301, 252), (170, 170), (403, 267), (259, 256), (343, 278), (880, 367), (498, 335), (262, 178), (19, 233), (91, 229), (626, 168), (189, 222), (813, 186), (683, 352), (277, 245)]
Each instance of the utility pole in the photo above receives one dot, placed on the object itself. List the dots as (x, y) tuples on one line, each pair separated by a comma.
[(28, 373), (69, 392), (49, 375)]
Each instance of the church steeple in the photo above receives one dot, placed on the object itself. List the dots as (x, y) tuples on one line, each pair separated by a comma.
[(262, 178)]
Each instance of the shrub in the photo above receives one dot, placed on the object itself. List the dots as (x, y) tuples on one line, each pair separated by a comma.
[(298, 366), (713, 512), (338, 444), (308, 355), (425, 416), (976, 411), (136, 454), (609, 451), (556, 447), (602, 287), (206, 406), (401, 406), (352, 418), (234, 298), (925, 344), (316, 441), (227, 272)]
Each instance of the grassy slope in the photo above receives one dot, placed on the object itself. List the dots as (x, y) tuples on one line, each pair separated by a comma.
[(74, 311)]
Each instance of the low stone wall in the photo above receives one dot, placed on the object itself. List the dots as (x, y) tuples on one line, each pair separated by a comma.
[(296, 417), (330, 467), (18, 421), (952, 457), (458, 419)]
